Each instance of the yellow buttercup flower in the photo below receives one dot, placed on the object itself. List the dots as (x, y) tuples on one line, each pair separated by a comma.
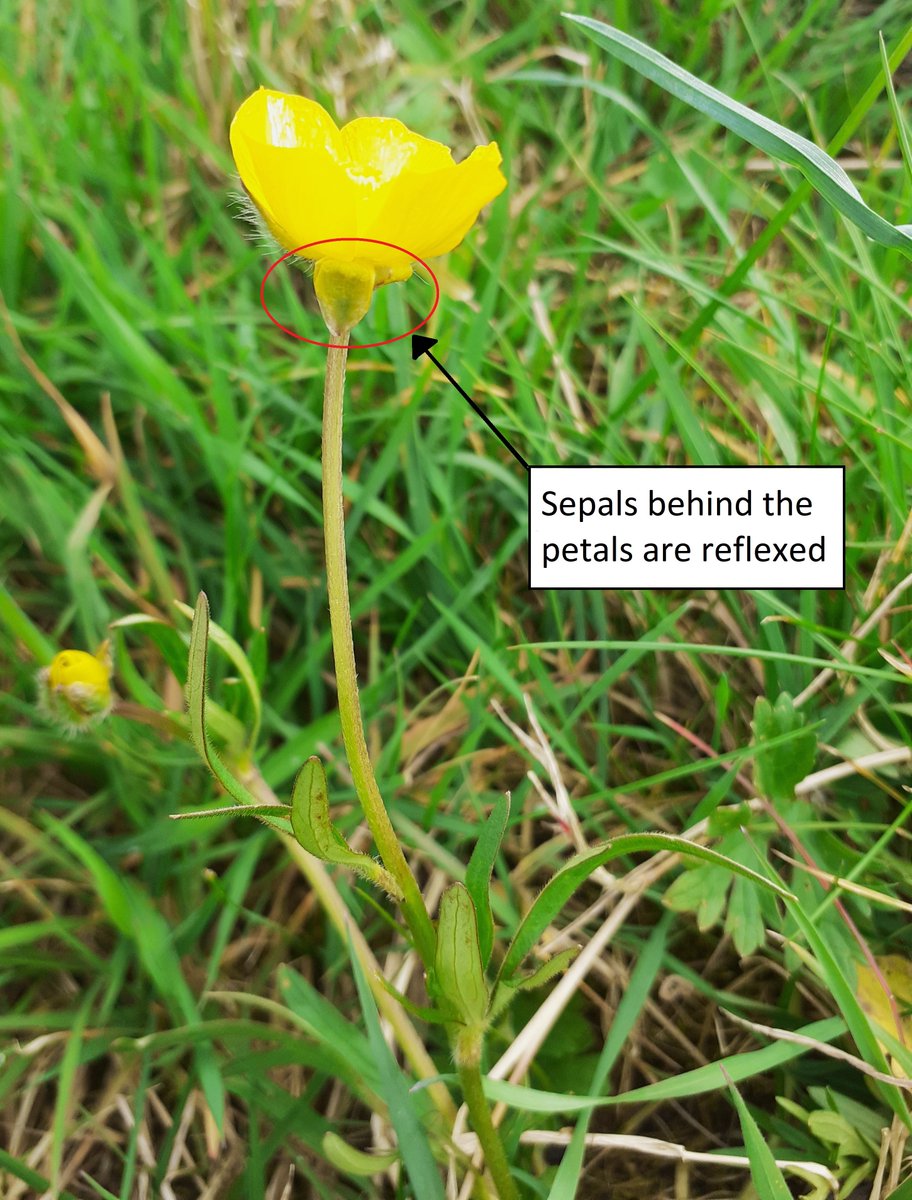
[(75, 690), (373, 178)]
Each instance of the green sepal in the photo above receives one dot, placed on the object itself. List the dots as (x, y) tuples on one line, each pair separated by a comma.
[(313, 829), (458, 967)]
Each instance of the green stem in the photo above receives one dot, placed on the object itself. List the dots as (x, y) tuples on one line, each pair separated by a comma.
[(344, 655), (488, 1137)]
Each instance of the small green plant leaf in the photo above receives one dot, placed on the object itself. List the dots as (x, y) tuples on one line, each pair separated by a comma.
[(545, 972), (433, 1016), (313, 829), (276, 816), (460, 974), (235, 653), (822, 172), (778, 769), (558, 890), (196, 705), (356, 1162), (478, 872), (765, 1171)]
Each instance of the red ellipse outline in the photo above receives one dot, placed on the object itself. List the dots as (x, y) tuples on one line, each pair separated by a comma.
[(362, 345)]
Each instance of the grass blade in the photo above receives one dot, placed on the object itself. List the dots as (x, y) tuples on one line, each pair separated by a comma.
[(822, 172)]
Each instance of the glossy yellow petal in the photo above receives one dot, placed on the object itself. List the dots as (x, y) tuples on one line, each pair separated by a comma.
[(288, 154), (431, 212), (374, 179)]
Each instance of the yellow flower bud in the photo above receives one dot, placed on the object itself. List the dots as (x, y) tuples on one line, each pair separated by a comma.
[(75, 690)]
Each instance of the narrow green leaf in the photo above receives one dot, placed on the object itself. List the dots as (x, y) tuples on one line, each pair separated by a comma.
[(535, 979), (235, 653), (401, 1101), (765, 1171), (313, 829), (856, 1019), (478, 872), (273, 815), (708, 1078), (356, 1162), (902, 128), (821, 171), (558, 890), (196, 704), (432, 1016), (460, 974)]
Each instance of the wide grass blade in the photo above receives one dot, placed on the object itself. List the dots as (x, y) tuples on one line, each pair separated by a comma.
[(823, 172)]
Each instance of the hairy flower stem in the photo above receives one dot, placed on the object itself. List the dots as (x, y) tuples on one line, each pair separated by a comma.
[(488, 1137), (344, 655)]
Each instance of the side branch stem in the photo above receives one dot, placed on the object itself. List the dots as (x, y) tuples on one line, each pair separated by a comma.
[(356, 750)]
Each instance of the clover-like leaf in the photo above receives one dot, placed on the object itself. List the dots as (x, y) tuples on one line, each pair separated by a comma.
[(314, 830), (780, 767)]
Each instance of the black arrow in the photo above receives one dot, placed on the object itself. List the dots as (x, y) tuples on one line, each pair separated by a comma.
[(422, 345)]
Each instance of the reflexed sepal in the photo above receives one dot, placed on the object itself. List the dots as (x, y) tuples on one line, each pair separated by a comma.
[(313, 829), (344, 292)]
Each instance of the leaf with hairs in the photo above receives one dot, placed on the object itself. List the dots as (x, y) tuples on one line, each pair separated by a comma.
[(314, 830), (478, 872), (460, 974), (558, 890)]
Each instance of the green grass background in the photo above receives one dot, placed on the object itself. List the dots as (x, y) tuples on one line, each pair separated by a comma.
[(634, 297)]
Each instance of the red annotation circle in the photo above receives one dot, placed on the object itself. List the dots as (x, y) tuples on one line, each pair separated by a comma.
[(363, 345)]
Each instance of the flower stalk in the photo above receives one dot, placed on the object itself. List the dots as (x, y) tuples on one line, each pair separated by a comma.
[(356, 750)]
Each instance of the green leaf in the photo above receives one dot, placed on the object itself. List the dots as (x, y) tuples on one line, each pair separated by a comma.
[(821, 171), (778, 769), (558, 890), (708, 1078), (401, 1101), (313, 829), (235, 653), (460, 974), (356, 1162), (478, 872), (546, 971), (196, 704), (765, 1171)]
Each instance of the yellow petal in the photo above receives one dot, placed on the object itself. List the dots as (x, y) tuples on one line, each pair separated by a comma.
[(288, 154), (374, 178), (430, 212)]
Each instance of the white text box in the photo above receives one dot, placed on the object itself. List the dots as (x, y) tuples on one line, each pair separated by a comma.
[(686, 527)]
